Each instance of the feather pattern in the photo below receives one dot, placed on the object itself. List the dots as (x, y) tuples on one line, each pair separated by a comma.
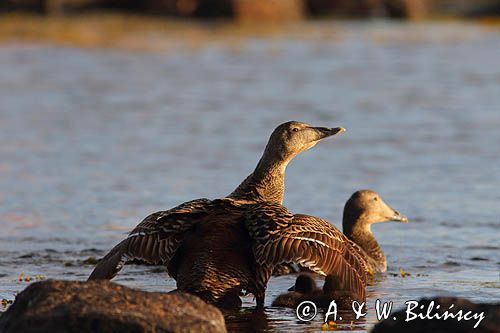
[(195, 240), (154, 240), (281, 237), (218, 247)]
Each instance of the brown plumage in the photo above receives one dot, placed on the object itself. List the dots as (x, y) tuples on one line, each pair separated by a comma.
[(196, 238), (304, 285), (364, 208), (154, 240), (281, 237), (267, 181), (234, 247)]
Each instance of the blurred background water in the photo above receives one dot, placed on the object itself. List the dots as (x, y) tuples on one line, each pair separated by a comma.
[(93, 140)]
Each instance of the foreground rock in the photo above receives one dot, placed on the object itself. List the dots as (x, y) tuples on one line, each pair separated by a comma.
[(490, 323), (102, 306)]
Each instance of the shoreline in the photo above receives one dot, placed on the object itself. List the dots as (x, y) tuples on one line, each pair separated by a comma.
[(134, 32)]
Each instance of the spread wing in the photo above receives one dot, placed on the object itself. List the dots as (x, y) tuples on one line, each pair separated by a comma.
[(154, 240), (281, 237)]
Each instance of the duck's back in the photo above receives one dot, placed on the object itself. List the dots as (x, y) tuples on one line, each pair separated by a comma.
[(214, 258)]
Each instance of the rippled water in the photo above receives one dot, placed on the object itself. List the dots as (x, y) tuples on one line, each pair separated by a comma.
[(94, 140)]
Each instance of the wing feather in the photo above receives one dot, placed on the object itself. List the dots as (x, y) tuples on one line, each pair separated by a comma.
[(281, 237), (154, 240)]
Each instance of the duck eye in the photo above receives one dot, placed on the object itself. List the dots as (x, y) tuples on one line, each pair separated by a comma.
[(376, 199), (295, 129)]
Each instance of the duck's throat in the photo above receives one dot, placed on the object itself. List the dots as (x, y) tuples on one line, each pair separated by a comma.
[(266, 183)]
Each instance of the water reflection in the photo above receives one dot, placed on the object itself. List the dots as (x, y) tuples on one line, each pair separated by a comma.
[(248, 320)]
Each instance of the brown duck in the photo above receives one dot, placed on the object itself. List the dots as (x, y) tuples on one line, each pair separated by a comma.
[(304, 285), (364, 208), (234, 247), (305, 290), (215, 248)]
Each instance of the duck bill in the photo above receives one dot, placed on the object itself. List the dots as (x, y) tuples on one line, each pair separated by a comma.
[(397, 217), (393, 215), (325, 132)]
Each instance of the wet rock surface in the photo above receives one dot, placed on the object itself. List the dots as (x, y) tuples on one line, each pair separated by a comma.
[(103, 306), (490, 323)]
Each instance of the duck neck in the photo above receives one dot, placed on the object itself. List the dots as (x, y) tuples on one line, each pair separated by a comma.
[(266, 183), (359, 231)]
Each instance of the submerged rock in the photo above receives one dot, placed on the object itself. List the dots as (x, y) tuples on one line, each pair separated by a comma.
[(489, 323), (102, 306)]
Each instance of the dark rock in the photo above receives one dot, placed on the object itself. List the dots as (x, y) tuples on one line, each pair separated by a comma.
[(411, 9), (418, 9), (268, 10), (345, 8), (490, 323), (102, 306), (200, 8)]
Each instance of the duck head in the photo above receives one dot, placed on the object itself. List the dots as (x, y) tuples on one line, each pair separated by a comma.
[(304, 284), (366, 207), (294, 137), (332, 284)]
